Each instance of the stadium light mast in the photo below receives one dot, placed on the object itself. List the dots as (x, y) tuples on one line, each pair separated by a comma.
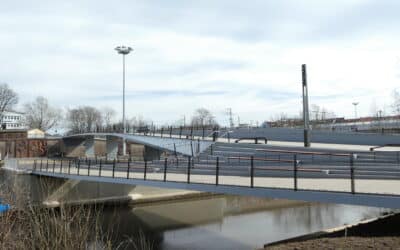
[(123, 50), (355, 109)]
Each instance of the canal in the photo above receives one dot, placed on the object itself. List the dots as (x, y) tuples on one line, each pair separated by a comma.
[(206, 222)]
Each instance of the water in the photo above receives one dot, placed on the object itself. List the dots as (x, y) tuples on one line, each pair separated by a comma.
[(218, 222)]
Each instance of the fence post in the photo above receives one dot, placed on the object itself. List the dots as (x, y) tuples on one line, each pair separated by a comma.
[(129, 168), (69, 167), (170, 132), (165, 169), (252, 171), (191, 132), (211, 149), (34, 165), (188, 170), (101, 165), (295, 172), (47, 165), (79, 165), (88, 169), (145, 169), (162, 130), (352, 173), (113, 170), (204, 131), (217, 172), (41, 161), (54, 165), (61, 166), (180, 132)]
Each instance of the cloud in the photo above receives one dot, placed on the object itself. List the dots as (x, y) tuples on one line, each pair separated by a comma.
[(213, 54)]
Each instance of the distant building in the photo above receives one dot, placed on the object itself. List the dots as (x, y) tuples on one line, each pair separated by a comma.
[(12, 120)]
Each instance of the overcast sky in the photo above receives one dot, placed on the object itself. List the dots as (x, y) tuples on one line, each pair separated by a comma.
[(246, 55)]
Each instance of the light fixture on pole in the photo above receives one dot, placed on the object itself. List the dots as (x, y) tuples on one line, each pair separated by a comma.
[(123, 51), (355, 109)]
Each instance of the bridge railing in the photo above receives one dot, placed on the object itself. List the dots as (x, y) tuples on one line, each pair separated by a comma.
[(352, 174)]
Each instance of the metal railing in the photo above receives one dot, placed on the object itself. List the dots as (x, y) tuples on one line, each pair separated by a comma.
[(254, 171)]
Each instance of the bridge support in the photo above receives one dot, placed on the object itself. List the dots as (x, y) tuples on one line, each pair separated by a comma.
[(89, 147), (112, 143)]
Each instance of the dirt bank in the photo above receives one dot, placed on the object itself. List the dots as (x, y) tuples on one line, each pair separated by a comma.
[(383, 233)]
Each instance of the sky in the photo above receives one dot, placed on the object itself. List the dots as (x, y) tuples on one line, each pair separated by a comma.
[(244, 55)]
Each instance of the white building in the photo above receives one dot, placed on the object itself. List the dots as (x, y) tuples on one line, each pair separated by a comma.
[(12, 120)]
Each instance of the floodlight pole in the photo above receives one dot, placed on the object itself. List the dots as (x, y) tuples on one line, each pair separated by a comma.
[(305, 107), (123, 51)]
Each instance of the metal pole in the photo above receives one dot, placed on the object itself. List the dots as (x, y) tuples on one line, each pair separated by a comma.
[(123, 104), (145, 170), (165, 169), (47, 165), (61, 166), (295, 172), (252, 171), (54, 165), (217, 172), (305, 107), (34, 165), (69, 167), (41, 162), (88, 170), (79, 165), (129, 168), (352, 173), (113, 170), (188, 170), (180, 132), (100, 167)]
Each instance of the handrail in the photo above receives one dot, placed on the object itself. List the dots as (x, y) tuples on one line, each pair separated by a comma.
[(302, 152), (261, 159)]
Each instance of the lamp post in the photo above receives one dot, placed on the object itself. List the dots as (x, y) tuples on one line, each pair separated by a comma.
[(123, 51), (355, 109)]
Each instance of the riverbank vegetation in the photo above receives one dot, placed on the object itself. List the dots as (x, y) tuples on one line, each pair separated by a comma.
[(31, 226)]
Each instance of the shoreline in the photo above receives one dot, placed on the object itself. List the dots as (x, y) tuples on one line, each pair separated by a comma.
[(380, 233)]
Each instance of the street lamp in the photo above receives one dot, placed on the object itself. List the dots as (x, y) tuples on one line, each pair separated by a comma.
[(355, 109), (123, 51)]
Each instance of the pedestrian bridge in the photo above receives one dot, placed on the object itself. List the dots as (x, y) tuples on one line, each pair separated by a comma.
[(357, 178), (324, 175), (172, 144)]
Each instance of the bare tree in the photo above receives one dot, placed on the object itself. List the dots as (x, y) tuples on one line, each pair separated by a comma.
[(203, 117), (39, 114), (84, 119), (8, 98), (396, 102), (108, 115)]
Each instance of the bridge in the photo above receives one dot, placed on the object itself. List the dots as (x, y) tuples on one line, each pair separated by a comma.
[(357, 177)]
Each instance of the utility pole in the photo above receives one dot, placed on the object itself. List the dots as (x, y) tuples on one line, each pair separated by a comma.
[(305, 107)]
